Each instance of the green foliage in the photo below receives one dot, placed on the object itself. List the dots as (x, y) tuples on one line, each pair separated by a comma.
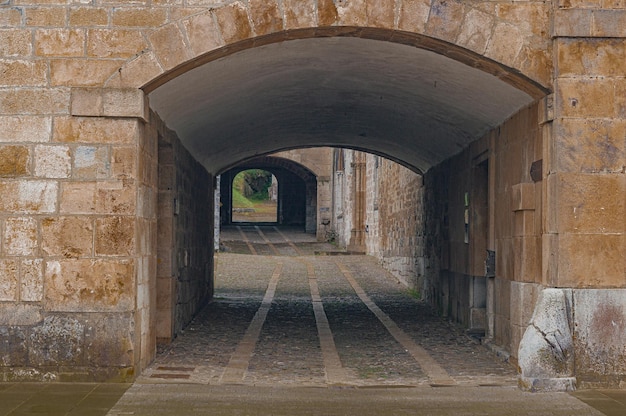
[(414, 293), (253, 184), (240, 201)]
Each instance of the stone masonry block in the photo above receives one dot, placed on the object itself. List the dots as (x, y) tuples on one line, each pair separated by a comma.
[(20, 314), (585, 98), (81, 72), (10, 16), (70, 237), (203, 33), (137, 72), (590, 57), (169, 46), (86, 102), (506, 43), (35, 101), (88, 16), (91, 162), (53, 161), (414, 15), (523, 299), (590, 145), (591, 203), (532, 17), (116, 197), (14, 161), (523, 197), (20, 236), (94, 130), (43, 16), (573, 23), (9, 273), (109, 340), (326, 13), (28, 197), (299, 13), (78, 197), (60, 42), (600, 335), (444, 19), (31, 280), (233, 22), (13, 347), (123, 162), (25, 129), (139, 17), (23, 73), (109, 102), (115, 236), (87, 285), (266, 16), (127, 102), (524, 223), (58, 340), (107, 43), (476, 30), (620, 97), (609, 23), (591, 260), (352, 13), (380, 13)]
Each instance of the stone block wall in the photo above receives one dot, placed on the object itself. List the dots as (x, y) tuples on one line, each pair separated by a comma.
[(76, 227), (396, 202), (485, 199), (392, 214), (185, 236)]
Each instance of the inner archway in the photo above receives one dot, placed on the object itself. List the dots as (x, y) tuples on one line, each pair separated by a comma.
[(254, 195), (425, 111)]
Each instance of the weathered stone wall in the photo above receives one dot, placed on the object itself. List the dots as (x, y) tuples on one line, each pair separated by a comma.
[(394, 219), (76, 219), (319, 161), (343, 196), (485, 199), (392, 213), (185, 243), (584, 237)]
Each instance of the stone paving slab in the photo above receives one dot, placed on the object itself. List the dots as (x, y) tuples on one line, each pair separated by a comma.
[(177, 399), (59, 399)]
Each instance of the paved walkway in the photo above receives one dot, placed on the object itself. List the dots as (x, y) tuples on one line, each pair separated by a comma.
[(293, 333)]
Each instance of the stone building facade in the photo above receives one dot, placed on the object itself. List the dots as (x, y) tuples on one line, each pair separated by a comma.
[(514, 112)]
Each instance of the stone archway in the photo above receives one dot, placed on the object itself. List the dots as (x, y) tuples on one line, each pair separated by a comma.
[(82, 101)]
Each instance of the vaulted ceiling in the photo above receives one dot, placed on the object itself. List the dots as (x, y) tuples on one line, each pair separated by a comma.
[(409, 104)]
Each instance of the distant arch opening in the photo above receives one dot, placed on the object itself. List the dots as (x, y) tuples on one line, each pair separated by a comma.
[(254, 195)]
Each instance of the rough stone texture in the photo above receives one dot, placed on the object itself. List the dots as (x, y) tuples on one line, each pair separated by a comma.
[(52, 162), (10, 279), (184, 262), (76, 153), (546, 352), (599, 337), (70, 237), (14, 161), (88, 285)]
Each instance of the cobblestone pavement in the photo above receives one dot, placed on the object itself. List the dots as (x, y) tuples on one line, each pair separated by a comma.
[(290, 332), (330, 320)]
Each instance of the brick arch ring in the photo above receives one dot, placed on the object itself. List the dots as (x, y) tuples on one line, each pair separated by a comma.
[(479, 38)]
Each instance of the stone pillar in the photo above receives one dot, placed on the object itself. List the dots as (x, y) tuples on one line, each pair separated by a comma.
[(77, 231), (357, 233), (584, 241)]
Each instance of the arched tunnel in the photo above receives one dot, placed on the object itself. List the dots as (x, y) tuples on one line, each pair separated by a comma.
[(439, 117)]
